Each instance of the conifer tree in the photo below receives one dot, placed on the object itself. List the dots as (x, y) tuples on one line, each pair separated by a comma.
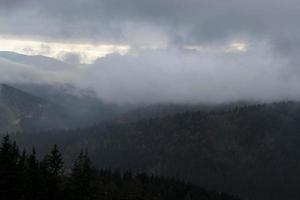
[(53, 170), (82, 181), (22, 175), (33, 178), (8, 169)]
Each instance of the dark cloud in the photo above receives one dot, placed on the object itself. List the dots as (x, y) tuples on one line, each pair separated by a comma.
[(189, 21), (9, 3)]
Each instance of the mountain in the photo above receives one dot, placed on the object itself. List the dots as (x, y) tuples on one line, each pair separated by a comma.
[(31, 107), (83, 105), (252, 151), (38, 61), (21, 111)]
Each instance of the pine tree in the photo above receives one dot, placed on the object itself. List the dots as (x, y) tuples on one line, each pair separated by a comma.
[(9, 155), (54, 163), (53, 170), (22, 175), (33, 178), (83, 186)]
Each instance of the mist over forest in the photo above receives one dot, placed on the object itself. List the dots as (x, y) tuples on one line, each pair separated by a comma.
[(149, 100)]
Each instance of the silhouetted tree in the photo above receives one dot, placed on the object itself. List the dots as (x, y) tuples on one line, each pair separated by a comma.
[(24, 177), (33, 177), (82, 178), (53, 171), (8, 169)]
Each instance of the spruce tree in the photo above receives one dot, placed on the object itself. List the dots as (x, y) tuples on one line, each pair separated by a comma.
[(33, 177), (52, 168), (22, 175), (83, 186), (9, 155)]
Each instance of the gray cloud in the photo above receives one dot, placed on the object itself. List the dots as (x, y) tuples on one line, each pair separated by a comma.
[(71, 58), (171, 75), (189, 21), (268, 71), (180, 76)]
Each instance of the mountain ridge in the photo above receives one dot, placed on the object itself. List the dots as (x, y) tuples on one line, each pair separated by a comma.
[(39, 61)]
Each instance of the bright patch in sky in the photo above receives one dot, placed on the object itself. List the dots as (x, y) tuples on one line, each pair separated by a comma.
[(238, 46), (230, 48), (87, 53)]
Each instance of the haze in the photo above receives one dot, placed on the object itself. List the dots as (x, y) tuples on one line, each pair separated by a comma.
[(157, 51)]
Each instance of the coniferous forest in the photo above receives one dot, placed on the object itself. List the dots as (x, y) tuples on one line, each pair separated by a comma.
[(249, 151), (25, 177)]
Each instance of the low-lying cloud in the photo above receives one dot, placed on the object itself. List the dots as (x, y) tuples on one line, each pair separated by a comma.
[(215, 75), (179, 51), (180, 76)]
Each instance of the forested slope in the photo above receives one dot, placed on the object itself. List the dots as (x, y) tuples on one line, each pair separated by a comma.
[(24, 177), (252, 150)]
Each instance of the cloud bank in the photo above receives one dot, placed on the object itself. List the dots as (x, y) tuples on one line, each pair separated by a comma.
[(180, 51), (181, 76)]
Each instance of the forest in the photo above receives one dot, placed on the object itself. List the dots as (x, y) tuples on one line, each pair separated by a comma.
[(24, 177), (251, 151)]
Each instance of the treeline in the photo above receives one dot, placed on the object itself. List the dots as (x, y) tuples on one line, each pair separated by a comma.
[(24, 177)]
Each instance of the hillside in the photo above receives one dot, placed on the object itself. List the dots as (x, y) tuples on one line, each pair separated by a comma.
[(83, 106), (24, 177), (155, 111), (42, 107), (252, 151), (22, 111)]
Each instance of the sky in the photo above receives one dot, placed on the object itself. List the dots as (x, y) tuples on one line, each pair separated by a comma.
[(159, 50)]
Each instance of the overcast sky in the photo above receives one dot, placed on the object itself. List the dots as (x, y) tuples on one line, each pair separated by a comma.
[(161, 50)]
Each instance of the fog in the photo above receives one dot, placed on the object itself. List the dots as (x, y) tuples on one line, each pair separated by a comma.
[(179, 76), (174, 75), (179, 51)]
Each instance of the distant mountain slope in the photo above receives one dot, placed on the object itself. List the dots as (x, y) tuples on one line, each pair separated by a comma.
[(45, 107), (83, 105), (144, 112), (41, 62), (22, 111), (253, 151)]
